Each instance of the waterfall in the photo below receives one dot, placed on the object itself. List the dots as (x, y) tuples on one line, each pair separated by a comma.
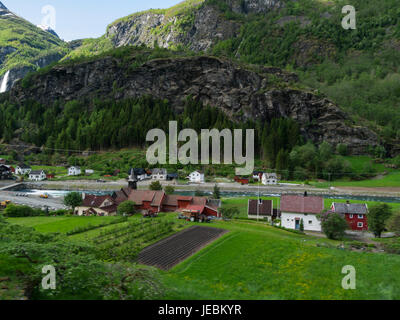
[(3, 87)]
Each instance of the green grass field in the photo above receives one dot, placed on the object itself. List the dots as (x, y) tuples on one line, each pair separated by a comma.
[(256, 261), (260, 262), (241, 203), (59, 224)]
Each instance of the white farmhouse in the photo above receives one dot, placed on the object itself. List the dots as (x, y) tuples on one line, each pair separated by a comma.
[(89, 172), (269, 179), (22, 169), (295, 209), (159, 174), (74, 171), (197, 177), (37, 175)]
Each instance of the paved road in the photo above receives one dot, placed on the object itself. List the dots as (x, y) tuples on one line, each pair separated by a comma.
[(33, 201)]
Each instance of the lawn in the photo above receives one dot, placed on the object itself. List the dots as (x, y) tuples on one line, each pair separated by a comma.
[(59, 224), (256, 261), (260, 262), (241, 203)]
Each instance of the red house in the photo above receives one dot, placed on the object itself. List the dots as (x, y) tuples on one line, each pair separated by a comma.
[(355, 214), (241, 180), (158, 201)]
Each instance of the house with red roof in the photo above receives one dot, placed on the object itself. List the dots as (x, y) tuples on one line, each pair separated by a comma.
[(153, 202), (296, 208)]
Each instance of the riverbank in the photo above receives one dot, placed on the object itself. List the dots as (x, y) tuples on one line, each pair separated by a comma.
[(84, 185)]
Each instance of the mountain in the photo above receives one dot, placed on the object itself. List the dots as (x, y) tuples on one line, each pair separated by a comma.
[(24, 48), (48, 29), (244, 93), (357, 69)]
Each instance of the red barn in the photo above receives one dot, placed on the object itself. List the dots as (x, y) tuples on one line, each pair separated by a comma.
[(159, 201), (355, 214), (241, 180)]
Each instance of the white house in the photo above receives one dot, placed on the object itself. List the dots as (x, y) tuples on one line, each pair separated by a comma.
[(257, 175), (269, 179), (159, 174), (295, 209), (74, 171), (197, 176), (88, 172), (22, 169), (37, 175)]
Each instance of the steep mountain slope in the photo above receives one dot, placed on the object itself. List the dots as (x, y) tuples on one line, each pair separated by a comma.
[(24, 48), (358, 69), (242, 93)]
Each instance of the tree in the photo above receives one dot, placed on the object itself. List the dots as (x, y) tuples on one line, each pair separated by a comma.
[(73, 200), (229, 213), (302, 225), (334, 225), (169, 189), (155, 186), (217, 192), (377, 218), (325, 151), (198, 193), (341, 149), (126, 208), (394, 224)]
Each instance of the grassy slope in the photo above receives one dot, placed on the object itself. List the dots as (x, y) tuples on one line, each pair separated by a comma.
[(58, 224), (259, 262), (241, 203), (31, 42), (255, 261)]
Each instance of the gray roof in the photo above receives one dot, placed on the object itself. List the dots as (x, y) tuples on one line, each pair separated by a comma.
[(353, 208), (37, 172), (159, 171)]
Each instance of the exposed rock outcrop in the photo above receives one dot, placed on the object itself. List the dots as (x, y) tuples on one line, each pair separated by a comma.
[(198, 30), (240, 93)]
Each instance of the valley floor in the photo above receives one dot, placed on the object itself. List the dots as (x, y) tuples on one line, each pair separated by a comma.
[(256, 261)]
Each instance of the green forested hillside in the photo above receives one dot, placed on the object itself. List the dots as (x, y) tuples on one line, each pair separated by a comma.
[(358, 69), (23, 44)]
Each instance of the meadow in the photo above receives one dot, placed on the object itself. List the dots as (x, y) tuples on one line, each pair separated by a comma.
[(252, 261), (260, 262)]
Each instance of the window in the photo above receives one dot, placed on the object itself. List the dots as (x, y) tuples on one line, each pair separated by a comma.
[(310, 222), (360, 225), (351, 216), (360, 216)]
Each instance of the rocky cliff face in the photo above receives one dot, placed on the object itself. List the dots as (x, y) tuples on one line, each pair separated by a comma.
[(24, 48), (197, 29), (240, 93)]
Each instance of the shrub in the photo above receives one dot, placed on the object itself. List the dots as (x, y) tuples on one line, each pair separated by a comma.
[(155, 186), (334, 225)]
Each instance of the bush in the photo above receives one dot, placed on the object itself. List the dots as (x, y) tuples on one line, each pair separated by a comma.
[(155, 186), (16, 211), (334, 225)]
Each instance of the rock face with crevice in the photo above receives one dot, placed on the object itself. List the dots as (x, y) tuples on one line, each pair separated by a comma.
[(241, 93), (198, 29)]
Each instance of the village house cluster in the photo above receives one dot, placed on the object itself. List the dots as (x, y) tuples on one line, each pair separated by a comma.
[(303, 209)]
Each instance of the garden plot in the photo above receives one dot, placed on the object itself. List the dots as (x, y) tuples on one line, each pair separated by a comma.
[(169, 252)]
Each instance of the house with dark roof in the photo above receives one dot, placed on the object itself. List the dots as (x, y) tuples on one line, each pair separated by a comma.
[(159, 174), (37, 175), (5, 172), (94, 205), (355, 214), (269, 179), (261, 209), (23, 169), (296, 208)]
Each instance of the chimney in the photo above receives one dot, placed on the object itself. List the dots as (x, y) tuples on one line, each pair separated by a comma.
[(83, 196)]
